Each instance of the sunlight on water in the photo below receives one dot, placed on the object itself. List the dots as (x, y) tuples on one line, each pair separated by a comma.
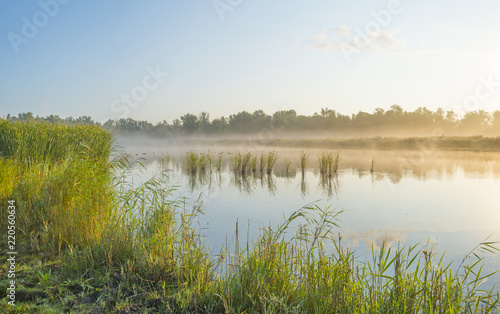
[(450, 199)]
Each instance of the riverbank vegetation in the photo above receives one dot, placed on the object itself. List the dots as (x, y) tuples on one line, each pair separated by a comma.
[(90, 241)]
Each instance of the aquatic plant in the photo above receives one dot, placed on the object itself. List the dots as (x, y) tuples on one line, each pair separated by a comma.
[(372, 165), (288, 163), (191, 162), (329, 163), (270, 161), (262, 164), (218, 164), (304, 159)]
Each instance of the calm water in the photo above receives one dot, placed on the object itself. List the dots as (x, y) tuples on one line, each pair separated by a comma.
[(451, 199)]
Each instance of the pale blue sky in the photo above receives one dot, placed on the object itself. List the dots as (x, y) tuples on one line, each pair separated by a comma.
[(269, 55)]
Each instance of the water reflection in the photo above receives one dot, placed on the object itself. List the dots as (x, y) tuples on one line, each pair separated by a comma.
[(409, 196), (286, 174), (330, 185)]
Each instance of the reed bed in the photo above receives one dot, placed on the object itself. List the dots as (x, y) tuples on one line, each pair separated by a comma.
[(246, 160), (191, 162), (34, 142), (299, 274), (329, 163)]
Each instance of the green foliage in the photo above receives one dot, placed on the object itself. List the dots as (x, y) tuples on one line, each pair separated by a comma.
[(270, 161), (329, 163), (34, 142), (304, 160)]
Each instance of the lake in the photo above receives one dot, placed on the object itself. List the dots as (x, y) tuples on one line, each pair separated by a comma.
[(450, 199)]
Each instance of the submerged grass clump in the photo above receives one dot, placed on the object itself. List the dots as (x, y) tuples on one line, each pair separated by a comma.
[(329, 163), (218, 163), (191, 162), (195, 162), (262, 164), (134, 248), (288, 163), (246, 160), (270, 161), (304, 160), (372, 165)]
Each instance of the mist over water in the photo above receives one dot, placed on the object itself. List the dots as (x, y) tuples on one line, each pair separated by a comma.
[(400, 197)]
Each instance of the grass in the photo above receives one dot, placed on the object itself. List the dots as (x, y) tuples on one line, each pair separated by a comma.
[(92, 242), (304, 161), (218, 163), (329, 163), (298, 274), (244, 163), (270, 161), (262, 164), (288, 163), (246, 160), (34, 142), (372, 165), (191, 162)]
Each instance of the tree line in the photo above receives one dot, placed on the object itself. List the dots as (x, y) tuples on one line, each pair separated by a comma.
[(394, 121)]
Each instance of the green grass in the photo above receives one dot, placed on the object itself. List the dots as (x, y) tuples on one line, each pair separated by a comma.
[(92, 242), (262, 164), (191, 162), (304, 161), (329, 163), (270, 161), (34, 142), (218, 163), (288, 163)]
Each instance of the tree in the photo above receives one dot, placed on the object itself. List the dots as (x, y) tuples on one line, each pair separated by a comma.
[(204, 119), (190, 123)]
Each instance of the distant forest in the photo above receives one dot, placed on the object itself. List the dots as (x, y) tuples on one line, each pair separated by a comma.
[(392, 122)]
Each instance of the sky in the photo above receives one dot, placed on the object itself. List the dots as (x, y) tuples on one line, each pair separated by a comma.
[(157, 60)]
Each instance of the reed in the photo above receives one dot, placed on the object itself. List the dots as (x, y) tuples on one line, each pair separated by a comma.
[(270, 161), (218, 163), (237, 160), (324, 160), (288, 163), (191, 162), (304, 159), (204, 162), (336, 163), (33, 142), (372, 165), (329, 163), (262, 164), (298, 274), (253, 164), (246, 160)]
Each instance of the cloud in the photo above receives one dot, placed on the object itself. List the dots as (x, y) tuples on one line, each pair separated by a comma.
[(342, 36), (343, 31), (373, 238)]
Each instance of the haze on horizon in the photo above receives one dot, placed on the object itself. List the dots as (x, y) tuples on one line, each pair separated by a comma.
[(125, 59)]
